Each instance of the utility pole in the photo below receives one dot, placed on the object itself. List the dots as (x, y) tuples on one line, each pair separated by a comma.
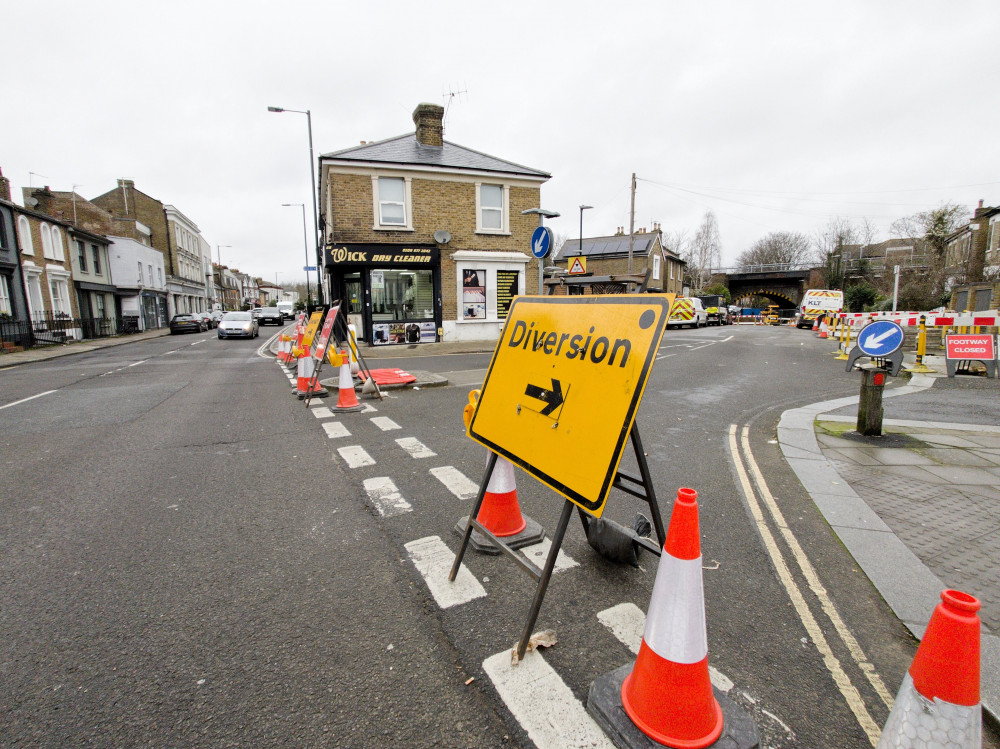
[(631, 225)]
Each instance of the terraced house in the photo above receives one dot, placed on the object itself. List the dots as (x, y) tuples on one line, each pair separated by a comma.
[(424, 239)]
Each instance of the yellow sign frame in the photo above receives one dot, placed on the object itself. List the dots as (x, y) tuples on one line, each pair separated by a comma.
[(564, 384)]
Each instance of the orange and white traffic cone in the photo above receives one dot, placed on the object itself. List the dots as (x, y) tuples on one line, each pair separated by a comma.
[(283, 345), (307, 366), (667, 694), (938, 703), (823, 329), (500, 512), (347, 399), (673, 657)]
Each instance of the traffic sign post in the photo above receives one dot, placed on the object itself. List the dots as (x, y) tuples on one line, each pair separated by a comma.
[(541, 245), (560, 399), (881, 341)]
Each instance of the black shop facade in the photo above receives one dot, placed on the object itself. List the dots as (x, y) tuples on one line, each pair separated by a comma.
[(390, 293)]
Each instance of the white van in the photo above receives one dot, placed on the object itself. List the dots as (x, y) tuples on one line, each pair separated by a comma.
[(687, 310), (287, 309), (818, 302)]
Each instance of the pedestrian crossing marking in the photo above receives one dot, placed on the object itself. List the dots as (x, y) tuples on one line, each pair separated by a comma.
[(323, 412), (456, 482), (433, 560), (356, 456), (539, 552), (335, 429), (385, 423), (543, 704), (415, 447), (385, 497)]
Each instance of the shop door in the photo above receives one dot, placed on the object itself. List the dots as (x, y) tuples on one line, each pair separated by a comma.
[(354, 297)]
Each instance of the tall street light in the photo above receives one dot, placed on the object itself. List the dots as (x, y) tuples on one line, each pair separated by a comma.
[(222, 286), (313, 190), (582, 209), (305, 239)]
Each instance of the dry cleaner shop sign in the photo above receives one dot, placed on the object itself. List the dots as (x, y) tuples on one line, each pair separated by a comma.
[(381, 254)]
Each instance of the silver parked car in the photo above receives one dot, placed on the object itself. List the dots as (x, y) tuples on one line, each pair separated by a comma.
[(238, 325)]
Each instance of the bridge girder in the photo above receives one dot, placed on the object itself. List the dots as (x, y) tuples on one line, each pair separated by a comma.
[(785, 288)]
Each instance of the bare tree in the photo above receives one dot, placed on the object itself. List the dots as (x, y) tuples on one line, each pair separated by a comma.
[(704, 252), (933, 227), (677, 242), (778, 247)]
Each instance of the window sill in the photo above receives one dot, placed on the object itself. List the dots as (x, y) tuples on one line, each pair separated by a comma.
[(494, 232), (392, 228)]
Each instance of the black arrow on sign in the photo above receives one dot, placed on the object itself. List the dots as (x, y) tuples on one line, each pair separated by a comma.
[(553, 398)]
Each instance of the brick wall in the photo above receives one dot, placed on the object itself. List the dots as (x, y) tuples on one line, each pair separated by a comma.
[(140, 207), (448, 204)]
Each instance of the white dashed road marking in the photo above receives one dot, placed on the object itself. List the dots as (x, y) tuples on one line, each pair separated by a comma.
[(543, 704), (335, 429), (355, 456), (323, 412), (433, 560), (415, 447), (386, 497), (384, 423), (539, 552), (456, 482), (31, 398)]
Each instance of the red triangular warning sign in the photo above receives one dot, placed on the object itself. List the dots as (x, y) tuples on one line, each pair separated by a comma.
[(578, 266)]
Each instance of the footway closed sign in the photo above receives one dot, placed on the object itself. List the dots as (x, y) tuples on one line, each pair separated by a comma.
[(564, 384)]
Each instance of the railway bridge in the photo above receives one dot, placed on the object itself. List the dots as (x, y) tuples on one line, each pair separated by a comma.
[(783, 285)]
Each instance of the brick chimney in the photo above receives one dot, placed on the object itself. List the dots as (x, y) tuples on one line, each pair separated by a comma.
[(4, 187), (429, 119)]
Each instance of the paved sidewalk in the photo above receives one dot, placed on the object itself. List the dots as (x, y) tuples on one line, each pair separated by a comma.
[(43, 353), (919, 507)]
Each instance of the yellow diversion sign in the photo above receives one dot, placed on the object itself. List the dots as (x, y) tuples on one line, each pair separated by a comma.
[(564, 384), (314, 320)]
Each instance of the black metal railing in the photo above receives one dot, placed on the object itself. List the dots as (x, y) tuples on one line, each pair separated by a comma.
[(53, 329)]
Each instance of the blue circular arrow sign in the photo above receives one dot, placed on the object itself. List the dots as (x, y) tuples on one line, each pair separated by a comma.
[(541, 242), (880, 338)]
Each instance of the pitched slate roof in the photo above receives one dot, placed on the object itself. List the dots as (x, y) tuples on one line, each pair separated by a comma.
[(405, 149), (614, 246)]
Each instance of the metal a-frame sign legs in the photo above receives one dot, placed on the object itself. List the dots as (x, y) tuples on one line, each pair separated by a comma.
[(640, 486), (340, 326)]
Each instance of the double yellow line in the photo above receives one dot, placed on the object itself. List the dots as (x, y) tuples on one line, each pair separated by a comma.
[(760, 489)]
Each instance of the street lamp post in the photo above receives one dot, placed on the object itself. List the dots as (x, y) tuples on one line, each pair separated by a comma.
[(542, 215), (313, 190), (222, 286), (582, 209), (305, 239)]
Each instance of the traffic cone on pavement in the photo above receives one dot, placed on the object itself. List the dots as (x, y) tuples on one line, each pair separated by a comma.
[(347, 399), (938, 703), (668, 695), (283, 346)]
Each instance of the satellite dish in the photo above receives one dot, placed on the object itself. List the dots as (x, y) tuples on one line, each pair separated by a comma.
[(442, 237)]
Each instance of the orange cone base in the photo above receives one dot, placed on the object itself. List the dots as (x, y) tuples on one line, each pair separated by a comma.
[(532, 533), (347, 401), (672, 703), (604, 703)]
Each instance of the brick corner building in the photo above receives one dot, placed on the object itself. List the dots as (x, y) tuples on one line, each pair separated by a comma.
[(424, 239)]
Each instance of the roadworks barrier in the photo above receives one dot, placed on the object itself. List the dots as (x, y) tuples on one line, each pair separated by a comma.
[(666, 697), (938, 705), (306, 368)]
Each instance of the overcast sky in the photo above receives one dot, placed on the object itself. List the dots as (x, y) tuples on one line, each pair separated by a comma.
[(775, 115)]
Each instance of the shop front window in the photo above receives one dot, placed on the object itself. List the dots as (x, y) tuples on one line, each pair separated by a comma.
[(402, 306)]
